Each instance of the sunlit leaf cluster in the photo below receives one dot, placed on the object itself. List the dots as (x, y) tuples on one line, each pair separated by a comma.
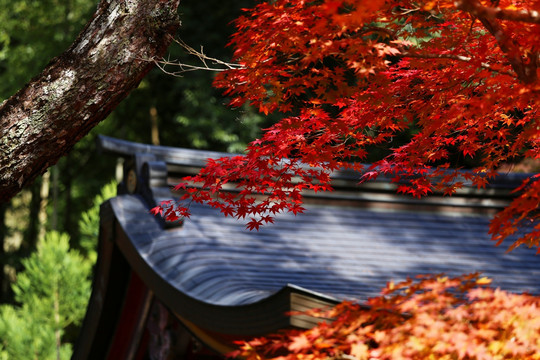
[(433, 317), (458, 78)]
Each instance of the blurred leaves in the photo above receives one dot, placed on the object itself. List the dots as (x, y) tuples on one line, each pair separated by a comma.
[(32, 33), (52, 291), (89, 222), (430, 317)]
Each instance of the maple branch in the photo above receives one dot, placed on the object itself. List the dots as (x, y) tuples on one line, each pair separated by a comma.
[(478, 10), (525, 68), (408, 11), (368, 29), (203, 58), (483, 65)]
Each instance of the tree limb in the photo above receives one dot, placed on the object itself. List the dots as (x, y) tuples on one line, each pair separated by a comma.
[(483, 65), (525, 68), (78, 89), (478, 10)]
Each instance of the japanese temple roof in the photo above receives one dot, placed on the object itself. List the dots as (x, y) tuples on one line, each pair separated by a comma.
[(214, 273)]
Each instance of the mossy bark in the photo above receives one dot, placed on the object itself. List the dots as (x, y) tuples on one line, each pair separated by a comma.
[(78, 89)]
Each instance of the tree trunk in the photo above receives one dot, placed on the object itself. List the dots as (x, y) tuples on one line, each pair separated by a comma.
[(78, 89), (57, 326), (154, 125), (3, 235), (31, 233), (44, 195)]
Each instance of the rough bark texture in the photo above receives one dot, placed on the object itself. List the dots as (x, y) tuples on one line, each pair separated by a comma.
[(78, 89)]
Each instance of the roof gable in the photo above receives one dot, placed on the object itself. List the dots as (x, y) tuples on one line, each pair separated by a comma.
[(215, 274)]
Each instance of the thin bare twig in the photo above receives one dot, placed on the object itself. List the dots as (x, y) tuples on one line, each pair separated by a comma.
[(408, 11), (207, 63)]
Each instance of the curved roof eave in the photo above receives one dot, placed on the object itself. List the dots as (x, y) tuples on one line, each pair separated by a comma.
[(266, 314)]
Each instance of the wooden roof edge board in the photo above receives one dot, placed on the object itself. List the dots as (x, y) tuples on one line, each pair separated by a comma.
[(257, 318), (430, 201), (168, 154), (108, 290), (482, 203), (380, 187), (132, 316), (190, 160), (94, 310)]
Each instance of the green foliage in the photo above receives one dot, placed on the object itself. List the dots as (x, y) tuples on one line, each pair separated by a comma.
[(53, 291), (89, 222), (23, 339), (53, 274), (32, 33), (55, 271)]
